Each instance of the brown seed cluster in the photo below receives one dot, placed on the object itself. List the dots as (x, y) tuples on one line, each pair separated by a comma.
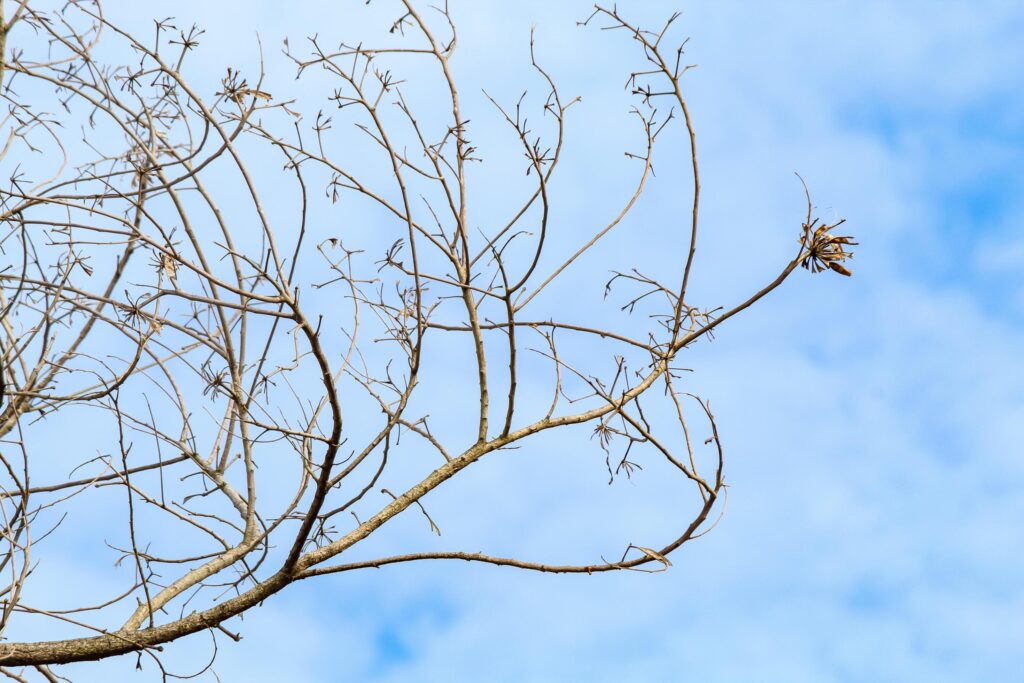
[(825, 250)]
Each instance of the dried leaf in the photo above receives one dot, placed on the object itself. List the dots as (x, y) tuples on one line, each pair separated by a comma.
[(839, 268), (654, 555), (169, 266)]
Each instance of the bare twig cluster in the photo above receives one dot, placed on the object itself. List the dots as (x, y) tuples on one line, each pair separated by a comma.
[(239, 385)]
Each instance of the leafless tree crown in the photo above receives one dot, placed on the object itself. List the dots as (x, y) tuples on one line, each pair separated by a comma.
[(260, 385)]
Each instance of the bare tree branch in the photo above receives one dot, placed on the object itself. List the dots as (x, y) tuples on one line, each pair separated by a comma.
[(189, 319)]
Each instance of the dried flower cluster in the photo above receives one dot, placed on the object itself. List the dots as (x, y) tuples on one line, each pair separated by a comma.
[(825, 250)]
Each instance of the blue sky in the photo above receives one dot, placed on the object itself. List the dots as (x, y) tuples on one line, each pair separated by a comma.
[(872, 425)]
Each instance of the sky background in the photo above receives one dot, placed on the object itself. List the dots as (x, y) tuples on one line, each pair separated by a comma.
[(872, 426)]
